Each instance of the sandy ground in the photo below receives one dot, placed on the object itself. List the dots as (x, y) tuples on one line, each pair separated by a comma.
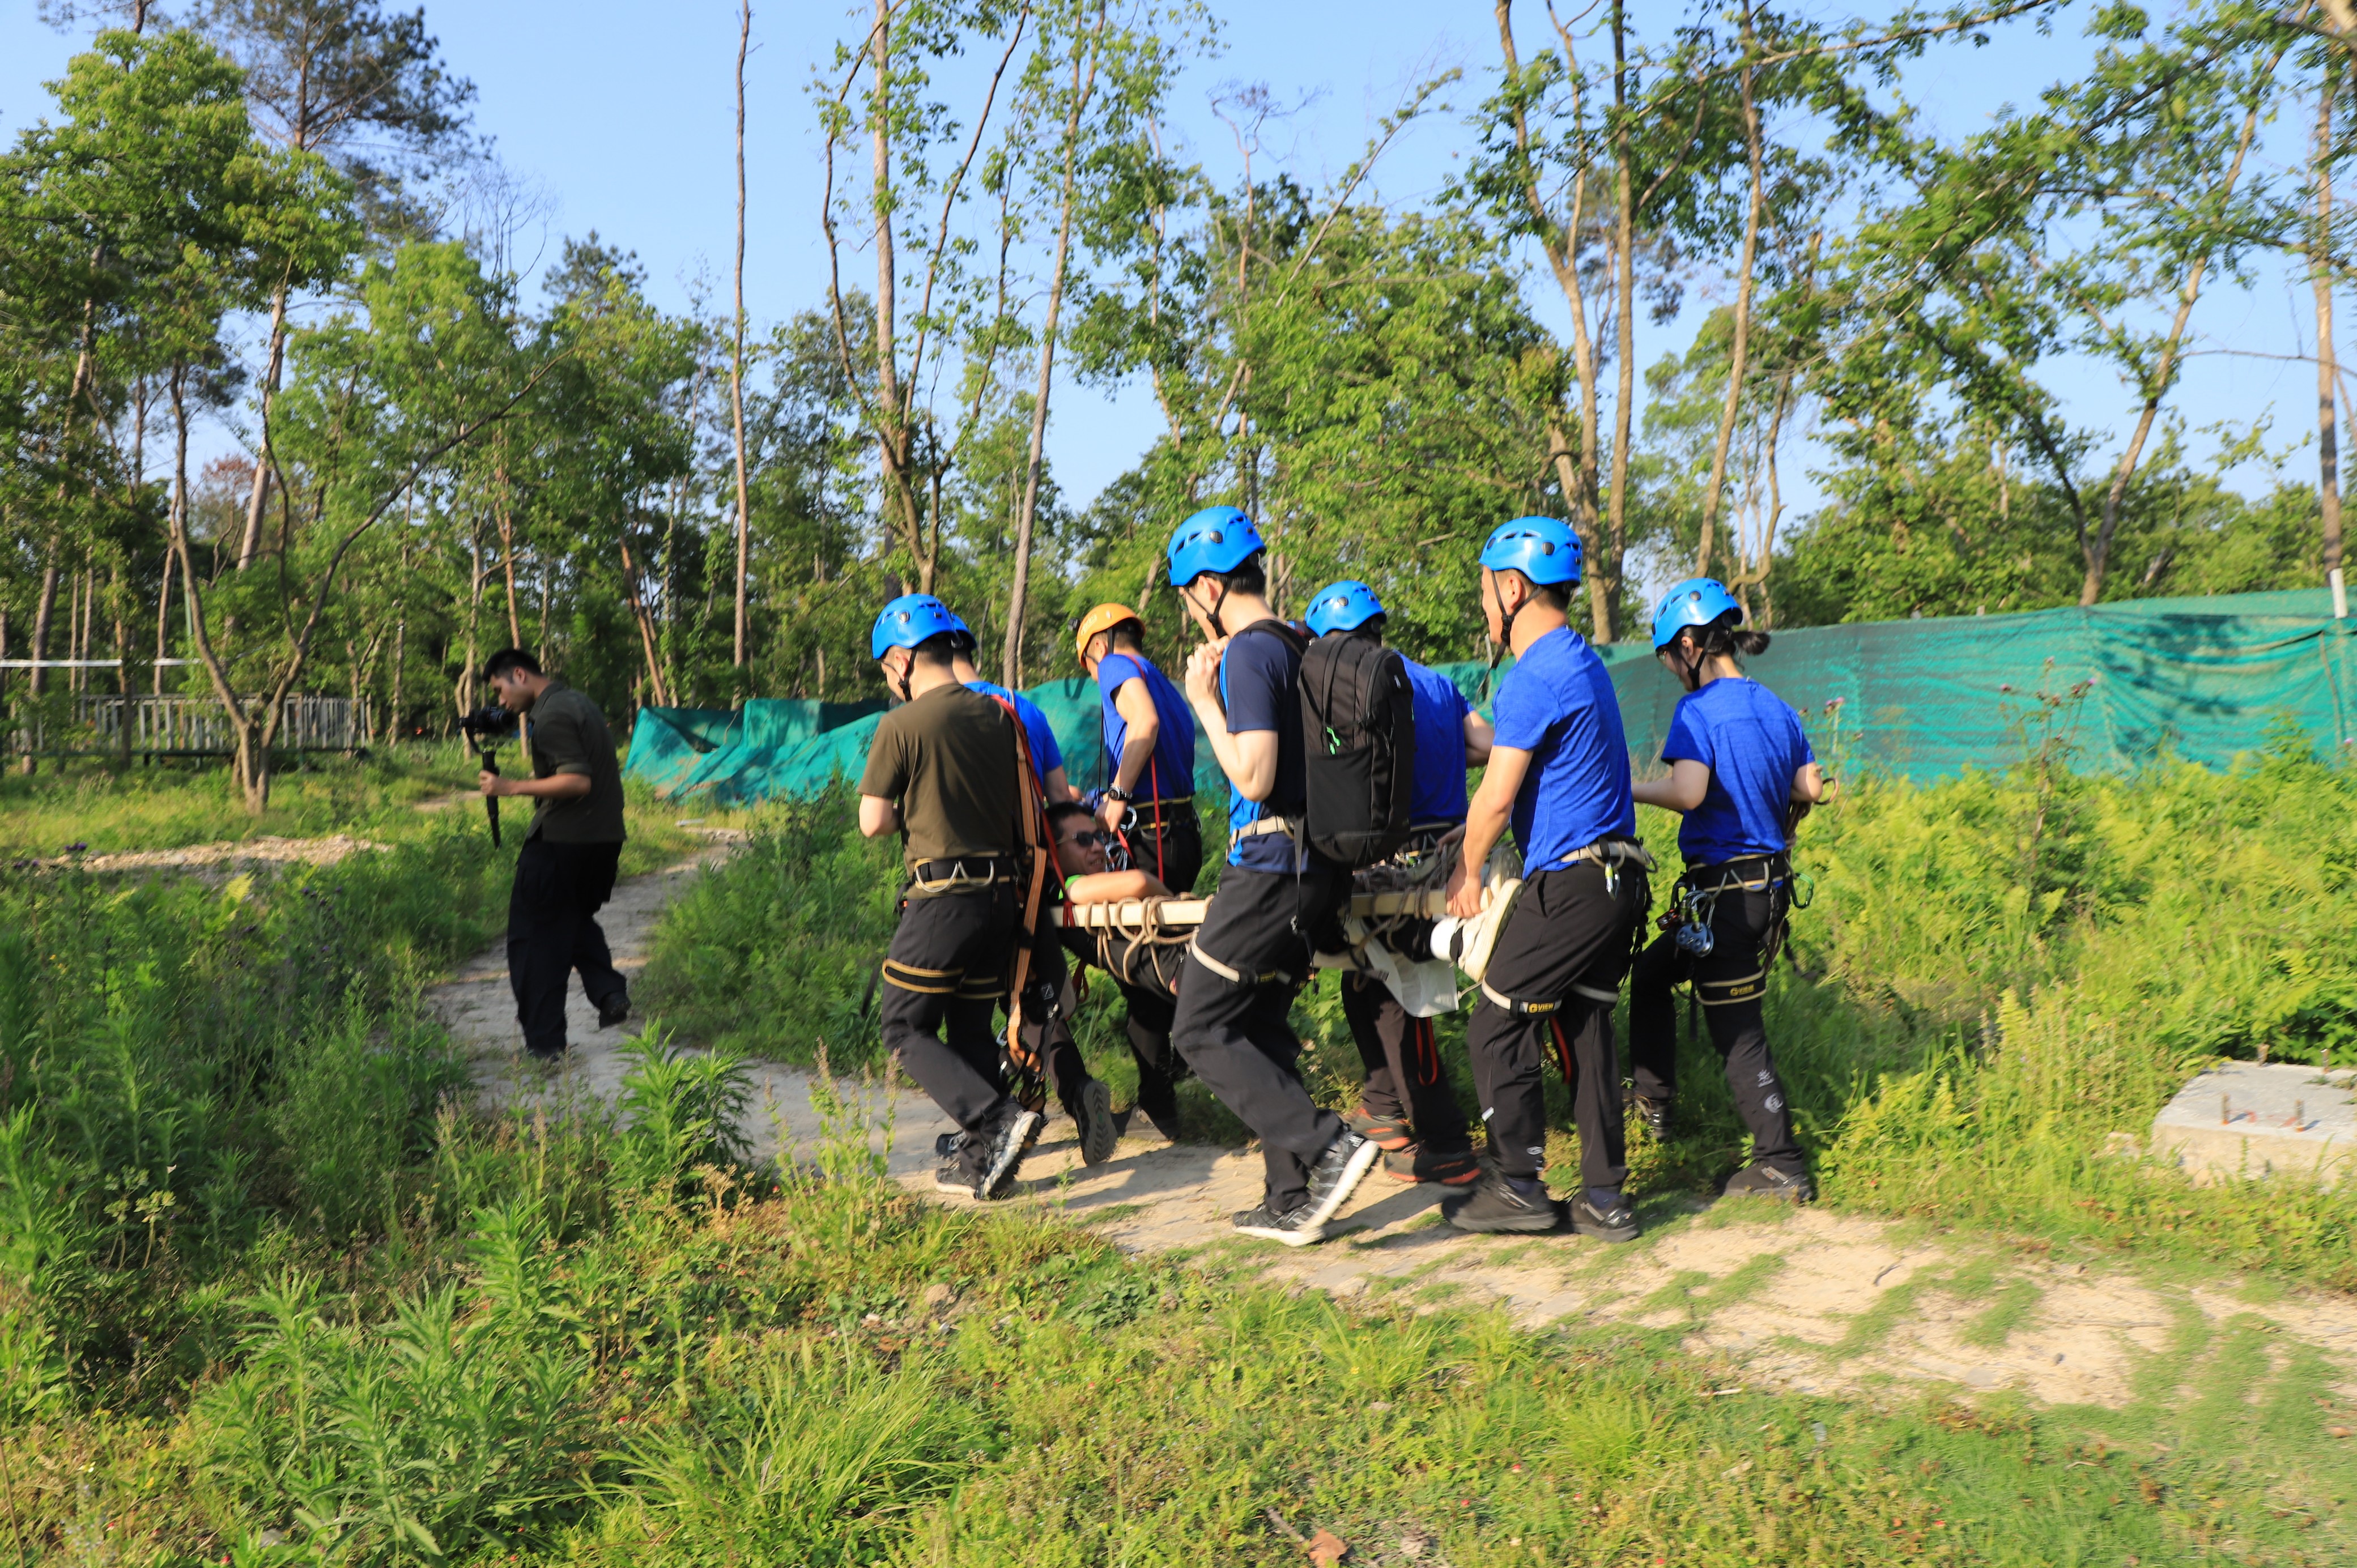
[(1806, 1300), (246, 853)]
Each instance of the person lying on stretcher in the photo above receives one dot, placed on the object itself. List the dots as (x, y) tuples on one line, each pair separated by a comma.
[(1147, 971)]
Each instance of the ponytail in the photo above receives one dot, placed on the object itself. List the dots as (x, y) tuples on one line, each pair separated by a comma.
[(1725, 638)]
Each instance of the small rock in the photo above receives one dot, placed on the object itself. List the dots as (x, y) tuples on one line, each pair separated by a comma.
[(939, 1295), (873, 1319), (1378, 1407), (2340, 1431), (1326, 1547)]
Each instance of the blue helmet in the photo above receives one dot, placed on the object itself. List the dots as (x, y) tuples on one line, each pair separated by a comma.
[(1345, 605), (1697, 601), (910, 621), (964, 633), (1543, 549), (1216, 539)]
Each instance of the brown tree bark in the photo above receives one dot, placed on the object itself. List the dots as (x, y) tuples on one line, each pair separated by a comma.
[(258, 497), (736, 359), (1607, 568), (2327, 448), (1744, 266), (1083, 88)]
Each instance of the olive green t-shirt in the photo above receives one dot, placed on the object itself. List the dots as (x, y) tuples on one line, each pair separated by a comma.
[(948, 759), (569, 735)]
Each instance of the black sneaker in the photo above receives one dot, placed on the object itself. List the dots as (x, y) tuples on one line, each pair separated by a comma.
[(1099, 1130), (1498, 1205), (1768, 1181), (1654, 1116), (1005, 1154), (1611, 1221), (613, 1010), (1294, 1228), (551, 1060), (1336, 1175)]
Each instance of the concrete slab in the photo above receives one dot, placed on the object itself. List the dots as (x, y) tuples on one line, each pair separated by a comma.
[(2248, 1119)]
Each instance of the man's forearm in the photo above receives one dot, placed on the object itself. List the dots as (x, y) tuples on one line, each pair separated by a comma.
[(1135, 753), (1484, 824)]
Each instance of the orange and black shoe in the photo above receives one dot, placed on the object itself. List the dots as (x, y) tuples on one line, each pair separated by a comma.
[(1416, 1163), (1392, 1137)]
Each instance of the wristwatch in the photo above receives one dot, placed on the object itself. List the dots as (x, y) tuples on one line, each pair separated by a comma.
[(1116, 792)]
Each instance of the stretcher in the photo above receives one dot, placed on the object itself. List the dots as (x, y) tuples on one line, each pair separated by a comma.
[(1131, 914)]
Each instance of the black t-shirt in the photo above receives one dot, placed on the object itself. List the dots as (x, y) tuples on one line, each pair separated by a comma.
[(1260, 685)]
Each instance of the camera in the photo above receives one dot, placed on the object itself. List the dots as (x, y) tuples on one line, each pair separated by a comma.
[(488, 722)]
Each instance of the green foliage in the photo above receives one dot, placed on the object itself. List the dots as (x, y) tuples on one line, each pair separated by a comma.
[(770, 954)]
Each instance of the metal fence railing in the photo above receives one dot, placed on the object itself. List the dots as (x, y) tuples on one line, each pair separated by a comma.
[(172, 725)]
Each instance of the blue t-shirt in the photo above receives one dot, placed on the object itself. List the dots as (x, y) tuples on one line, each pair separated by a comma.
[(1556, 703), (1171, 775), (1260, 685), (1752, 742), (1440, 710), (1046, 755)]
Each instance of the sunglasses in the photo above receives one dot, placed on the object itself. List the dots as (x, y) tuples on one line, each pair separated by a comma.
[(1084, 840)]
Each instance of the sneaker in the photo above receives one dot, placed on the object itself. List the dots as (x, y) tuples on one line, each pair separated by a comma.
[(1293, 1228), (1498, 1205), (1769, 1181), (1389, 1136), (1608, 1219), (951, 1176), (1460, 1170), (1336, 1175), (1653, 1116), (1099, 1130), (551, 1060), (1005, 1154), (613, 1010)]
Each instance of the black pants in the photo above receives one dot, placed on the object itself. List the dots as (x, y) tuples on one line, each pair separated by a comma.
[(553, 930), (945, 979), (1147, 975), (1231, 1024), (1168, 844), (1405, 1078), (1731, 983), (1561, 956)]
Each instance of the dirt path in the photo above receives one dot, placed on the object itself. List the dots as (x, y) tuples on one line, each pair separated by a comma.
[(1811, 1301)]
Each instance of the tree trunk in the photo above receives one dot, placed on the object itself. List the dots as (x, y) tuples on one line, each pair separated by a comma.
[(2096, 552), (506, 518), (638, 613), (1577, 473), (258, 499), (1607, 568), (1083, 88), (2327, 448), (1744, 268), (736, 358), (895, 450), (164, 615), (251, 768)]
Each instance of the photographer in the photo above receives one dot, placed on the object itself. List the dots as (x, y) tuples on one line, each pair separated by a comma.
[(566, 872)]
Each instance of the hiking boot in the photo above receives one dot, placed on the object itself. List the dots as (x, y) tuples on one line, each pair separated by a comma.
[(1653, 1116), (1336, 1175), (1099, 1130), (613, 1010), (1416, 1163), (1003, 1155), (1770, 1181), (1605, 1215), (1388, 1134), (1499, 1204), (951, 1176), (1293, 1227)]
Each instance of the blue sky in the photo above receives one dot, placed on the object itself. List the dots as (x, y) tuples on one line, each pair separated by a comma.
[(622, 114)]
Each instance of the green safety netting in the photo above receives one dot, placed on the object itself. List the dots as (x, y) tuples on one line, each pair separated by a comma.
[(2202, 678)]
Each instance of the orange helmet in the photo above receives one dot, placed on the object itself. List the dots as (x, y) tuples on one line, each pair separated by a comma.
[(1103, 619)]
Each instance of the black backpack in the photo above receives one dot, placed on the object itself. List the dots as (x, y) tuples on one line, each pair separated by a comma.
[(1358, 723)]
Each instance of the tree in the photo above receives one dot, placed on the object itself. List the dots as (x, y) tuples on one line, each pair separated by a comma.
[(364, 89)]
